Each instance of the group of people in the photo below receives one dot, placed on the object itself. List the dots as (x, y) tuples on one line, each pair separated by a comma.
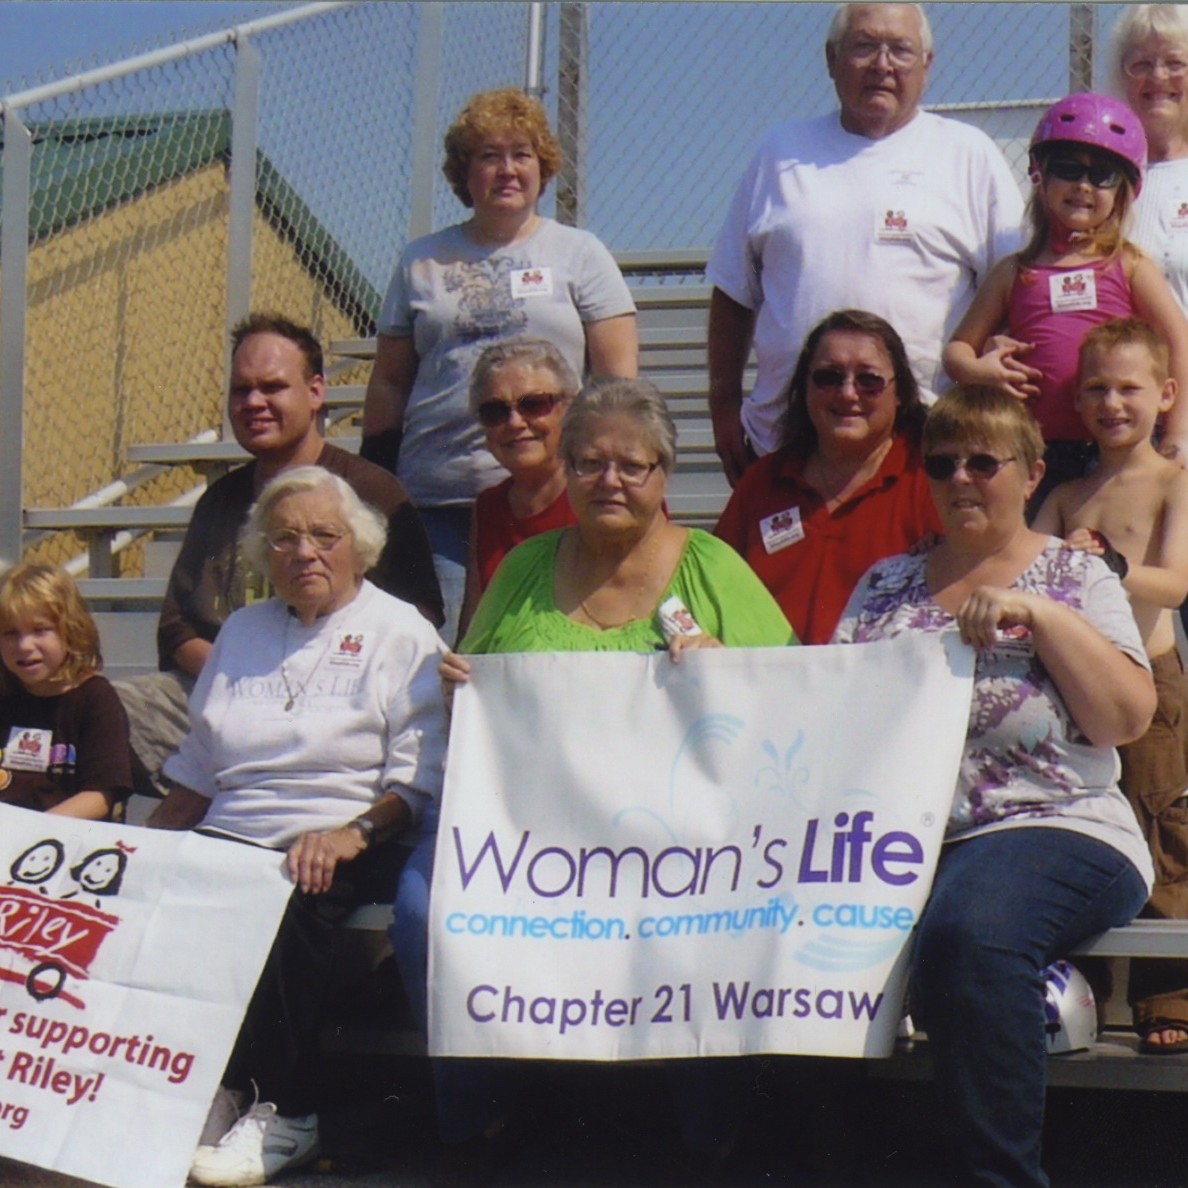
[(504, 505)]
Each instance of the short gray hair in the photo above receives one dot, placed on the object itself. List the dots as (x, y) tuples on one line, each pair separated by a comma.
[(606, 396), (1137, 23), (840, 26), (368, 527), (526, 352)]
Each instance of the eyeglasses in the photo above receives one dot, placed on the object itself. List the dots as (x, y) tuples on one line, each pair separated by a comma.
[(1146, 67), (531, 407), (631, 474), (288, 540), (866, 53), (867, 383), (1101, 174), (942, 467)]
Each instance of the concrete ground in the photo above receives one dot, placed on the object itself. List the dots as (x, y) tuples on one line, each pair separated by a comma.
[(811, 1123)]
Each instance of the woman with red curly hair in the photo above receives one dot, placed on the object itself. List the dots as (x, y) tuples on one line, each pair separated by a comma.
[(505, 272)]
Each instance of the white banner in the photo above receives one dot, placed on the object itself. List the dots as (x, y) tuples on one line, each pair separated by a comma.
[(127, 958), (639, 859)]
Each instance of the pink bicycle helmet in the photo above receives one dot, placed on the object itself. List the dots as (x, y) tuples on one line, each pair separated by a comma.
[(1099, 121)]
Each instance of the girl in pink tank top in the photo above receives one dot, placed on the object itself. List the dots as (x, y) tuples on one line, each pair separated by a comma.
[(1087, 159)]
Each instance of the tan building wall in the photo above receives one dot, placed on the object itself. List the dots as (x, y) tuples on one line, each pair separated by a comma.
[(126, 339)]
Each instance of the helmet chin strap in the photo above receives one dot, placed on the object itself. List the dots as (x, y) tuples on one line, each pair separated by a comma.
[(1061, 239)]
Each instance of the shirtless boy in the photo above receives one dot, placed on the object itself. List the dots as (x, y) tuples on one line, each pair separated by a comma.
[(1138, 501)]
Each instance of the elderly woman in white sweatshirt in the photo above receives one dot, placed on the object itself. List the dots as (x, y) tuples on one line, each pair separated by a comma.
[(317, 728)]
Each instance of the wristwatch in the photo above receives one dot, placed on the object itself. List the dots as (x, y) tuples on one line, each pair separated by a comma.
[(366, 827)]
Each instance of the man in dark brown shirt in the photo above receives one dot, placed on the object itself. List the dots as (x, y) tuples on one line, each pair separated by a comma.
[(275, 402)]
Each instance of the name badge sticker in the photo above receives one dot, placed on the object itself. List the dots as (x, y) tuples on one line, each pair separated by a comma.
[(893, 225), (28, 749), (1073, 290), (349, 653), (781, 530), (1014, 642), (532, 282)]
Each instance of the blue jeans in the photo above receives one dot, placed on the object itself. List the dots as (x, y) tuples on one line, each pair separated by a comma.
[(471, 1094), (449, 535), (1003, 906)]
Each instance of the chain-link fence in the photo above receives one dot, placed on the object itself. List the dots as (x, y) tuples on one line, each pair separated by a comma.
[(286, 164)]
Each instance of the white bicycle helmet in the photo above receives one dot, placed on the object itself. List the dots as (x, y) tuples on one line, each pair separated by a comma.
[(1070, 1012)]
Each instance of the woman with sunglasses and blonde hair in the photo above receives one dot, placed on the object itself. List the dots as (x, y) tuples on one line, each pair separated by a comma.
[(519, 391), (1041, 848), (845, 488)]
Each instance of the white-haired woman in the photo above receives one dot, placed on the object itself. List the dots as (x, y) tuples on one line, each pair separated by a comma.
[(316, 728), (1150, 66)]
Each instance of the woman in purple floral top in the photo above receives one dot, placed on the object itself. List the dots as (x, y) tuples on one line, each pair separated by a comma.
[(1041, 849)]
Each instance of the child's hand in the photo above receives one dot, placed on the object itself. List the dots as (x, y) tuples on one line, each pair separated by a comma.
[(1005, 370), (1098, 544), (1085, 539)]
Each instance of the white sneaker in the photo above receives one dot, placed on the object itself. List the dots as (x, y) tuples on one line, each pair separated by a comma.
[(258, 1146), (224, 1113)]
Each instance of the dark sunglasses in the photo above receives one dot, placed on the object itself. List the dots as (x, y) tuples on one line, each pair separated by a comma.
[(1101, 174), (979, 466), (530, 407), (867, 383)]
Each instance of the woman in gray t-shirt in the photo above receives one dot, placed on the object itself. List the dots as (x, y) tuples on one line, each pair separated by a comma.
[(504, 273)]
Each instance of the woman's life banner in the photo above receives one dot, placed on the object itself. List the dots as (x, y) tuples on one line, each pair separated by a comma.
[(639, 859), (127, 959)]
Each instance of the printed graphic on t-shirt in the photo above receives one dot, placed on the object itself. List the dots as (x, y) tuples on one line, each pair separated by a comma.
[(1179, 216), (487, 306)]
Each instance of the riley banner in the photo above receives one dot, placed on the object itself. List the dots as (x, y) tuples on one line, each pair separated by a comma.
[(639, 859), (127, 959)]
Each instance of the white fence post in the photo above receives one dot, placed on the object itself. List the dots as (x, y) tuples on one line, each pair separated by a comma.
[(14, 251)]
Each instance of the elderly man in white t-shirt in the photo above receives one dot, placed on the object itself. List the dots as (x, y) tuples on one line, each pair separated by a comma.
[(878, 206)]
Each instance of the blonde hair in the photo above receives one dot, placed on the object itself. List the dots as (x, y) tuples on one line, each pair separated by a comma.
[(975, 415), (1119, 332), (1107, 239), (487, 114), (33, 589)]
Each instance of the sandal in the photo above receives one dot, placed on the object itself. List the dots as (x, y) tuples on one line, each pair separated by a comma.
[(1150, 1026)]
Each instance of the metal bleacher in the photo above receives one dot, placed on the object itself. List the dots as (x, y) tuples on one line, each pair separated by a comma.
[(672, 324), (673, 303)]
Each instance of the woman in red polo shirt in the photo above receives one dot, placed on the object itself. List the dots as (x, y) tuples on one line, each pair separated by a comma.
[(846, 488)]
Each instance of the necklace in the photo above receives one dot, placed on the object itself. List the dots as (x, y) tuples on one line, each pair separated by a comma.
[(296, 694), (596, 620)]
